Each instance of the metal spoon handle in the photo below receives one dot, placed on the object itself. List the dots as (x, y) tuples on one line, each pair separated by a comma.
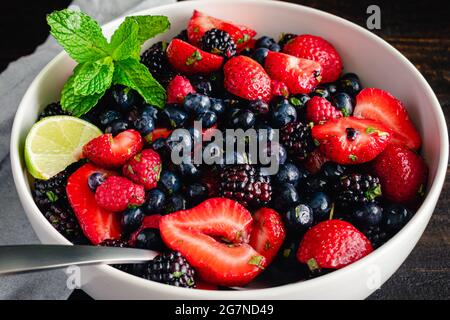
[(37, 257)]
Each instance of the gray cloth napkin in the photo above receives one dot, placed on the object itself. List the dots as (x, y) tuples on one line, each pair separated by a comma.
[(14, 226)]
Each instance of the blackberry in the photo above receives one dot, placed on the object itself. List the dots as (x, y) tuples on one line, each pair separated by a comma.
[(297, 139), (155, 59), (170, 268), (218, 42), (285, 38), (355, 190), (245, 184), (64, 221), (53, 109), (376, 235)]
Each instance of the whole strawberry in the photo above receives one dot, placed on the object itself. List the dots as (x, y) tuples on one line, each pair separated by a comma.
[(279, 89), (118, 193), (318, 49), (144, 168), (246, 78), (178, 89), (402, 174), (319, 109), (333, 244)]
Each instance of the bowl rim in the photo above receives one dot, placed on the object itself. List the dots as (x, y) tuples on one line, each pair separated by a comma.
[(427, 205)]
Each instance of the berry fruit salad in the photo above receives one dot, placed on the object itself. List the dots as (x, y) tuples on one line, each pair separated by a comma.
[(132, 155)]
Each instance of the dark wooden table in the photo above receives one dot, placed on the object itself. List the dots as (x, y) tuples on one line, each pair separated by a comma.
[(419, 29)]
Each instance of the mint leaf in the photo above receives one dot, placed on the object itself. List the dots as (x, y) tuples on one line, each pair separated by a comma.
[(133, 74), (77, 105), (94, 77), (124, 42), (150, 26), (78, 34)]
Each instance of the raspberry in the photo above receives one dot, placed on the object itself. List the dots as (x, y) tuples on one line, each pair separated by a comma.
[(218, 42), (296, 138), (144, 168), (319, 109), (117, 193)]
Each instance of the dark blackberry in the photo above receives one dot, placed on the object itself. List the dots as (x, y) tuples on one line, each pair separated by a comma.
[(64, 221), (285, 38), (297, 139), (356, 190), (53, 109), (170, 268), (245, 184), (114, 243), (155, 59), (183, 35), (218, 42), (376, 235)]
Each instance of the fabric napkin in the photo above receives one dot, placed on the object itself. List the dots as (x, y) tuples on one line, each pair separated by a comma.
[(14, 226)]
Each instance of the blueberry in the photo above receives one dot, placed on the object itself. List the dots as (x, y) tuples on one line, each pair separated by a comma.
[(395, 217), (132, 219), (264, 42), (123, 97), (180, 142), (299, 217), (331, 87), (189, 170), (287, 173), (260, 54), (174, 116), (196, 193), (285, 195), (144, 123), (350, 85), (108, 116), (333, 170), (265, 132), (133, 114), (169, 182), (117, 127), (282, 112), (342, 101), (275, 47), (217, 105), (369, 215), (151, 111), (259, 107), (280, 152), (350, 75), (202, 85), (321, 91), (176, 202), (95, 180), (160, 146), (197, 104), (243, 119), (313, 184), (321, 204), (154, 202), (150, 239), (208, 119)]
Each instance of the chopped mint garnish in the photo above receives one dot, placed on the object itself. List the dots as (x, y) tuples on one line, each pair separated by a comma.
[(373, 193), (256, 261), (353, 157), (196, 56), (51, 196)]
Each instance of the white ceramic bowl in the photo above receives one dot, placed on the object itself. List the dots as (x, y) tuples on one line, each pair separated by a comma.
[(376, 62)]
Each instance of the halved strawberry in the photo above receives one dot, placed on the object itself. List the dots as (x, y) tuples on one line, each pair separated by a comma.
[(268, 233), (351, 140), (111, 152), (149, 222), (201, 22), (158, 133), (300, 75), (97, 224), (195, 233), (188, 59), (380, 105)]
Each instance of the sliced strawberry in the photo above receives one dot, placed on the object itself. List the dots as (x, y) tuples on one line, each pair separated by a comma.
[(97, 224), (195, 234), (188, 59), (149, 222), (179, 87), (268, 233), (351, 140), (377, 104), (300, 75), (159, 133), (200, 23), (111, 152)]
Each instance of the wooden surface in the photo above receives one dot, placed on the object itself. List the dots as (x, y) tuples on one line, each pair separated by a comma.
[(419, 29)]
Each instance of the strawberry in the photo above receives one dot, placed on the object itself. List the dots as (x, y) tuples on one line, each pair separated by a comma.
[(333, 244), (314, 161), (318, 49), (351, 140), (200, 23), (97, 224), (377, 104), (202, 285), (144, 168), (195, 233), (268, 233), (108, 152), (149, 222), (279, 89), (118, 193), (402, 173), (159, 133), (245, 78), (178, 88), (300, 75), (319, 109), (188, 59)]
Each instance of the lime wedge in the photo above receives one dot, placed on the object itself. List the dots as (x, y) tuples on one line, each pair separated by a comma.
[(55, 142)]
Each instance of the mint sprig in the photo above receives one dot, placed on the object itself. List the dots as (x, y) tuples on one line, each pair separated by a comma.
[(102, 63)]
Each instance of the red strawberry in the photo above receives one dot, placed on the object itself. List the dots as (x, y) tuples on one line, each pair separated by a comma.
[(402, 174), (159, 133), (97, 224), (188, 59), (377, 104), (109, 152), (268, 233), (178, 88), (300, 75), (351, 140), (314, 161), (199, 284), (118, 193), (279, 89), (144, 168), (245, 78), (195, 234), (318, 49), (319, 109), (333, 244), (200, 23), (149, 222)]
